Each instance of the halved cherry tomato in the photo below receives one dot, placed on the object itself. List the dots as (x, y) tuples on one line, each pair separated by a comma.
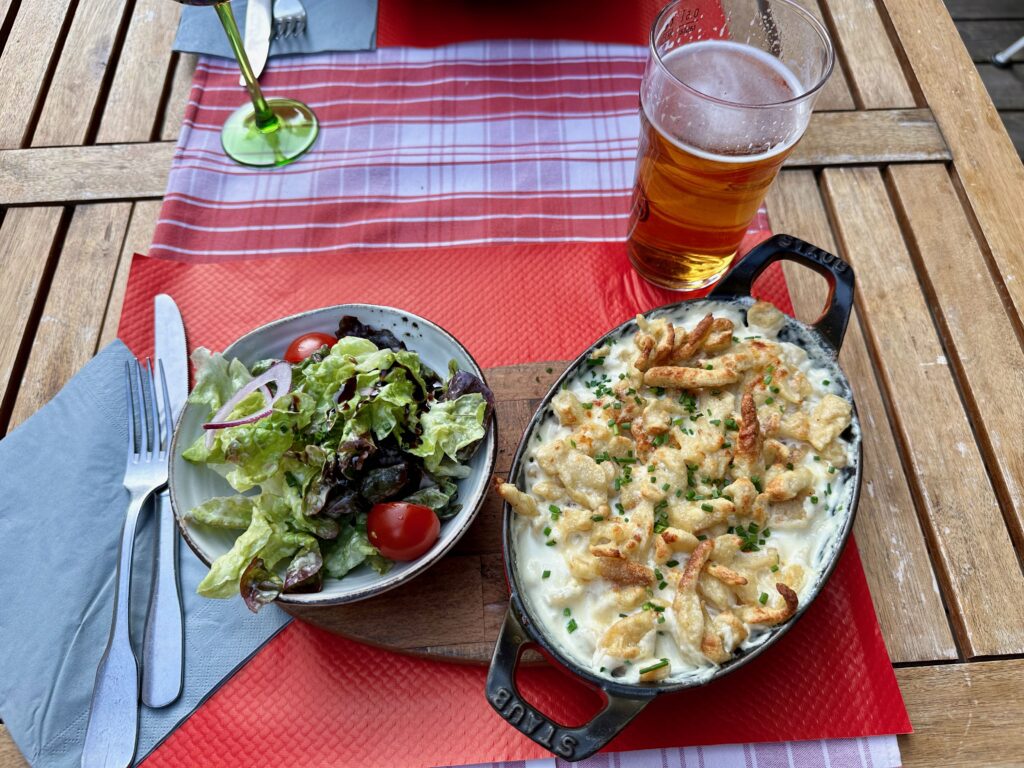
[(402, 531), (306, 345)]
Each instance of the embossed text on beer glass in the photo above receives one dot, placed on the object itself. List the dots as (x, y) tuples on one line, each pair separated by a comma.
[(726, 95)]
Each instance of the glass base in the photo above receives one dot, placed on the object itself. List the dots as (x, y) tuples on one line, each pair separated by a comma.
[(278, 144), (671, 270)]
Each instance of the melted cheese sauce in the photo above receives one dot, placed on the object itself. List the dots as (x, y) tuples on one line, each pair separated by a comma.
[(577, 613)]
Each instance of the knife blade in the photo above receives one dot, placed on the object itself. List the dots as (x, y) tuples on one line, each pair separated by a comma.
[(163, 642), (257, 35)]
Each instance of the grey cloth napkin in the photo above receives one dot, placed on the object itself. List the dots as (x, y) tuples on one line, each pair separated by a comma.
[(62, 506), (331, 25)]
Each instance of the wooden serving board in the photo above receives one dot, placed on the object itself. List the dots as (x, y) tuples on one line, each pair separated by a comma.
[(455, 609)]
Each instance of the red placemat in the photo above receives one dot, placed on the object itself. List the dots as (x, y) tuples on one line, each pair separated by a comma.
[(312, 698), (437, 22)]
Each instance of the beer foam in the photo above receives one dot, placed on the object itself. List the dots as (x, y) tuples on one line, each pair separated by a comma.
[(734, 101)]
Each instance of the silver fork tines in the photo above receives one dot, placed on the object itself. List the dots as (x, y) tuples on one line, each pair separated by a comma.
[(289, 18), (111, 735)]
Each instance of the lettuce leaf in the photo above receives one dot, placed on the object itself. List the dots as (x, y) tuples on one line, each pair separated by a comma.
[(349, 550), (217, 378), (231, 512), (224, 575), (448, 427)]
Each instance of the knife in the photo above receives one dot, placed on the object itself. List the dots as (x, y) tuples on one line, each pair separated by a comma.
[(163, 643), (257, 35)]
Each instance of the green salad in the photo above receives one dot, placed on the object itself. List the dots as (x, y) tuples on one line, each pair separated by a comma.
[(315, 443)]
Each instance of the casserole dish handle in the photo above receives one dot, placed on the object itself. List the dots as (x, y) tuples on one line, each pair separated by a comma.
[(568, 743), (839, 275)]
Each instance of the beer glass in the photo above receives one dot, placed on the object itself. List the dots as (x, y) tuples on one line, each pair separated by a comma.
[(727, 93)]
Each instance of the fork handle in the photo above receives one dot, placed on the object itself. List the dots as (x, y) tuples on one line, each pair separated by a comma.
[(163, 644), (112, 733)]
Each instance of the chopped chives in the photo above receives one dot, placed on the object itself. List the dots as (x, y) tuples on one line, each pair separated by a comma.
[(566, 612), (763, 599), (652, 667), (571, 626), (707, 507), (546, 574), (672, 563)]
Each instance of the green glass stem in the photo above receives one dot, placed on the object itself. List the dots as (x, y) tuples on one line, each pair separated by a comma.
[(266, 120)]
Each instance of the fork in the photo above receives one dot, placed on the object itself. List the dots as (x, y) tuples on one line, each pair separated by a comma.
[(112, 732), (289, 18)]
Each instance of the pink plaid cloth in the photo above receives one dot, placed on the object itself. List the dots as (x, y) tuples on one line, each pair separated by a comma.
[(485, 142)]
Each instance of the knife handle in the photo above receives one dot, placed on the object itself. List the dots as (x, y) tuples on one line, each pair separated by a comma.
[(163, 645)]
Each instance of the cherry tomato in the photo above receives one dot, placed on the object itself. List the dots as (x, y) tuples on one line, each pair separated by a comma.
[(306, 345), (402, 531)]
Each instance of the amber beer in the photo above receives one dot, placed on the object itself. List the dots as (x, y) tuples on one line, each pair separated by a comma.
[(718, 118)]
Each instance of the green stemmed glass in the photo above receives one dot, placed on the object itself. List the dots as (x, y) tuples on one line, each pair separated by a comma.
[(270, 131)]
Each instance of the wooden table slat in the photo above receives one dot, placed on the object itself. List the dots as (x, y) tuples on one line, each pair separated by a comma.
[(5, 8), (73, 315), (10, 755), (78, 79), (24, 66), (133, 105), (876, 75), (903, 585), (181, 86), (27, 238), (117, 171), (965, 525), (84, 174), (964, 714), (836, 93), (140, 233)]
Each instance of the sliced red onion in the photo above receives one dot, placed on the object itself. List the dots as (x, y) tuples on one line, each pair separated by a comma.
[(280, 374)]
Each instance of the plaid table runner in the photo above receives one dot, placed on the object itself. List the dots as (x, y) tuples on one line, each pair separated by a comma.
[(487, 142)]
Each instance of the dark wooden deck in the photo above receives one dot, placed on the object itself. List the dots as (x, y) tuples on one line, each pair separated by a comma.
[(988, 26)]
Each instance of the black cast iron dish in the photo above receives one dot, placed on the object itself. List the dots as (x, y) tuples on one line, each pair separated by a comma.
[(822, 341)]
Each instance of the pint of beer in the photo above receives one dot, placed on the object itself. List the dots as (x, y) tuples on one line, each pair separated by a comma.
[(727, 93)]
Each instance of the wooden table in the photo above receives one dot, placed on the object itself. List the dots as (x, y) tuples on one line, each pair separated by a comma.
[(906, 171)]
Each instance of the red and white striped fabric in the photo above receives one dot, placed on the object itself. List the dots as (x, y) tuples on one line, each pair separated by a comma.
[(869, 752), (486, 142)]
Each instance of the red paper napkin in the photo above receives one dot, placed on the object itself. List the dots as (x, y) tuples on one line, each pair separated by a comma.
[(437, 22), (311, 698)]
